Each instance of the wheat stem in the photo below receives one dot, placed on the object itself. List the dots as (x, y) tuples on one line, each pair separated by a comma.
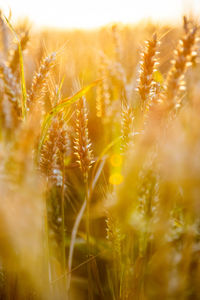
[(63, 219)]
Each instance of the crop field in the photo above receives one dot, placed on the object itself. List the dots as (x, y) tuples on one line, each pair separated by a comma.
[(100, 162)]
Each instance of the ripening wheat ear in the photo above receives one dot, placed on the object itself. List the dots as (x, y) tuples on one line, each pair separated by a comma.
[(63, 143), (103, 95), (82, 142), (48, 151), (126, 126), (182, 60), (11, 87), (55, 147), (117, 70), (40, 79), (117, 42), (115, 238), (147, 68), (114, 234)]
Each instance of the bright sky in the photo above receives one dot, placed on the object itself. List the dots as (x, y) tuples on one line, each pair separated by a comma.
[(93, 13)]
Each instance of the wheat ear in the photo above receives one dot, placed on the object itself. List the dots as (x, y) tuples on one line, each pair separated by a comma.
[(148, 66), (39, 83), (182, 60)]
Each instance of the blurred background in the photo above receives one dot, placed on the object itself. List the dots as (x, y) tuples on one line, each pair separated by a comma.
[(91, 14), (127, 153)]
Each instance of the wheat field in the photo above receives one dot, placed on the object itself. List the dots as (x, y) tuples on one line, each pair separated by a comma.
[(100, 162)]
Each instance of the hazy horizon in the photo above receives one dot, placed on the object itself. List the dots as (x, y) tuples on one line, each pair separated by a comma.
[(92, 14)]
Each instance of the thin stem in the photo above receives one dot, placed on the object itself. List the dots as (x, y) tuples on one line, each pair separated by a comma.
[(46, 232), (90, 296), (79, 217), (63, 218), (73, 239)]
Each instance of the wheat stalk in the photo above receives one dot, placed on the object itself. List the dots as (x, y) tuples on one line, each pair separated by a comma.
[(85, 159)]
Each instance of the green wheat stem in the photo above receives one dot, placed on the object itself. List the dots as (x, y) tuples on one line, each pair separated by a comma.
[(47, 245), (63, 218), (90, 296)]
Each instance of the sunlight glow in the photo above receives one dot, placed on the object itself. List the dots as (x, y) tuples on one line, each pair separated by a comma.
[(93, 13)]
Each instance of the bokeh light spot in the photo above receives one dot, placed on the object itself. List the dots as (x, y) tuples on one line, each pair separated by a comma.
[(116, 160), (116, 179)]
